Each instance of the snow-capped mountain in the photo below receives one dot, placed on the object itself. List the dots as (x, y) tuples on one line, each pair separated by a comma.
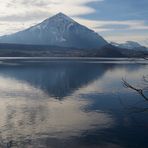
[(59, 30), (131, 45)]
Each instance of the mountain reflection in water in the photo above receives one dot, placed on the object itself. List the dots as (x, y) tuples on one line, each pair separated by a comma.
[(55, 79), (68, 103)]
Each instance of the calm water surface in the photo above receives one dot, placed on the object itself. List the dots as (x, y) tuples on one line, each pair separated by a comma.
[(53, 103)]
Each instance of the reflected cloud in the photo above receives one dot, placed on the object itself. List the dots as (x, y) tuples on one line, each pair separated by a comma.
[(22, 118)]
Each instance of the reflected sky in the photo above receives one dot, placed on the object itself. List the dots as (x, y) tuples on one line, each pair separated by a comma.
[(70, 102)]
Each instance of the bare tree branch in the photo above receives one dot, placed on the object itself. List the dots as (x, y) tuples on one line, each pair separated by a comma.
[(140, 91)]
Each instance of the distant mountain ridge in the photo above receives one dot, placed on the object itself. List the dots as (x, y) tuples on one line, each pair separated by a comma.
[(130, 45), (60, 36), (59, 30)]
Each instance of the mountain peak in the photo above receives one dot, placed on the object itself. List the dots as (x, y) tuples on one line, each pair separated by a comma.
[(58, 30), (61, 16)]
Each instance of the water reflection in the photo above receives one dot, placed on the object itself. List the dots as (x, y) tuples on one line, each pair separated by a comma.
[(60, 120), (58, 104), (57, 79)]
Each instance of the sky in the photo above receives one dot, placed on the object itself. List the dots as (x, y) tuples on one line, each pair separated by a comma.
[(115, 20)]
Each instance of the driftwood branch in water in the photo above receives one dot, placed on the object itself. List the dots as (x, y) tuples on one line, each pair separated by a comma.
[(140, 91)]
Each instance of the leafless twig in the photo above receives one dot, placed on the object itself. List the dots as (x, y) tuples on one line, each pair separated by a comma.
[(140, 91)]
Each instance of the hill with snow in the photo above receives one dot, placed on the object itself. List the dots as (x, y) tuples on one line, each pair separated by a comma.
[(59, 30), (131, 45)]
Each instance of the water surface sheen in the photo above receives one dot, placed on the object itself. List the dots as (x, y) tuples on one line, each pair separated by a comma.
[(62, 103)]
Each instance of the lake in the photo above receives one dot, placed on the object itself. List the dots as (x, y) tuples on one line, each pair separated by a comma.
[(69, 103)]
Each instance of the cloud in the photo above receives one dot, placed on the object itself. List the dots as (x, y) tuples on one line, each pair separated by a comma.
[(128, 25), (21, 8), (25, 17)]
